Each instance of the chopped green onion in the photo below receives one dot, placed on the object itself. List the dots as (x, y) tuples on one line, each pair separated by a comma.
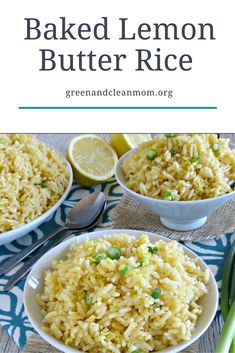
[(217, 146), (156, 293), (167, 196), (151, 154), (3, 142), (114, 253), (137, 351), (227, 333), (101, 255), (109, 335), (125, 270), (152, 249), (195, 159), (88, 298), (144, 261), (68, 341), (225, 284), (170, 136), (173, 152), (44, 185), (232, 186)]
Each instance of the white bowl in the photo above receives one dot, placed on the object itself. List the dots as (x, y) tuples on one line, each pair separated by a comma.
[(176, 215), (16, 233), (34, 284)]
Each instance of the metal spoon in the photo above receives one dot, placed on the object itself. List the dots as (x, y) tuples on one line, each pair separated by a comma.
[(79, 217), (22, 272)]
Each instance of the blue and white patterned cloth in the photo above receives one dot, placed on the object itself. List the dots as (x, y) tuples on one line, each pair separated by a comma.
[(12, 314)]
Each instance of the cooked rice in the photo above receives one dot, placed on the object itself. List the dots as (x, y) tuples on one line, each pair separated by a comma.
[(32, 179), (123, 316), (177, 172)]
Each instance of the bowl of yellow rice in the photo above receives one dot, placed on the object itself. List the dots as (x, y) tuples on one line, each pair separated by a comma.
[(121, 291), (181, 177), (34, 181)]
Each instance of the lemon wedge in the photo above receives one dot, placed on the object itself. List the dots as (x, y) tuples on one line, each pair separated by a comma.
[(93, 160), (123, 143)]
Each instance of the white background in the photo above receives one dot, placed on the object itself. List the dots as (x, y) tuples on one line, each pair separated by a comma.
[(210, 82)]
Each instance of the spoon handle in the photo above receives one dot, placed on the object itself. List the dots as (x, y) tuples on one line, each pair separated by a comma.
[(29, 264), (15, 259)]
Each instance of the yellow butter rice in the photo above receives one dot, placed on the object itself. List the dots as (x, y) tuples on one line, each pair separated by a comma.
[(187, 167), (121, 314), (32, 179)]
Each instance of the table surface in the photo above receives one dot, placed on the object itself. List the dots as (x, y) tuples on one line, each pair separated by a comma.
[(59, 142)]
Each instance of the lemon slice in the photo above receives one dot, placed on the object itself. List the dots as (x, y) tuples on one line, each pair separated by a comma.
[(123, 143), (93, 159)]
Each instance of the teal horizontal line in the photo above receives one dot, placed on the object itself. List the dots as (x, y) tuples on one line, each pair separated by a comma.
[(118, 107)]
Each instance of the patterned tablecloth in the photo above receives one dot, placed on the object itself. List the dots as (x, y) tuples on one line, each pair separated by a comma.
[(12, 314)]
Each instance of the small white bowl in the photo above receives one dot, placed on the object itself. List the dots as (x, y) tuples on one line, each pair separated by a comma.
[(34, 285), (19, 232), (176, 215)]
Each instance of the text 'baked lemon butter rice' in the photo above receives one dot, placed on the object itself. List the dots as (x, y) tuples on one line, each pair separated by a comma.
[(122, 294)]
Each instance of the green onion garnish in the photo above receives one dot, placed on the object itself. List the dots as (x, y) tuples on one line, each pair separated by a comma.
[(125, 270), (195, 159), (217, 146), (152, 249), (151, 154), (68, 341), (232, 186), (170, 136), (88, 298), (173, 152), (114, 253), (44, 185), (101, 255), (168, 196), (137, 351), (144, 261), (3, 142), (156, 293)]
